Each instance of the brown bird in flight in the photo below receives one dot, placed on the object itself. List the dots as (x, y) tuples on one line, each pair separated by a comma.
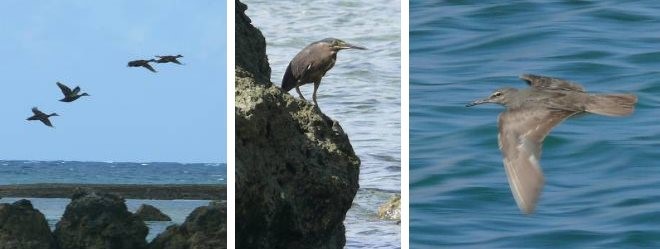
[(142, 63), (43, 117), (530, 115)]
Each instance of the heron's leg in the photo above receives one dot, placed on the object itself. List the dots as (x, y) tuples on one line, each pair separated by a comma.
[(316, 87), (299, 93)]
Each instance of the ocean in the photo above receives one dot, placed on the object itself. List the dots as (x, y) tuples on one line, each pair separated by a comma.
[(602, 175), (362, 92), (25, 172)]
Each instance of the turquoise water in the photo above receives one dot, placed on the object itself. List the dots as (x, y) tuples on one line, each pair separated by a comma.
[(23, 172), (362, 92), (602, 174)]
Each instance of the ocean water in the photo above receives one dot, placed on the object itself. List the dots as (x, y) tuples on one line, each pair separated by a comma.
[(602, 174), (362, 92), (24, 172)]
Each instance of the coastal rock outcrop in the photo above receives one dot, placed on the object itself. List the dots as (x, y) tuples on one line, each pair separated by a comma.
[(391, 210), (296, 171), (148, 212), (204, 228), (22, 226), (99, 221)]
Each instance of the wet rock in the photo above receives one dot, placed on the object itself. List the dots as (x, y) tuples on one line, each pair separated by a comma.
[(99, 221), (148, 212), (391, 210), (205, 228), (22, 226), (296, 171)]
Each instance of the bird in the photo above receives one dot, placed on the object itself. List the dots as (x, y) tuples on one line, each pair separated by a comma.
[(142, 63), (43, 117), (169, 58), (312, 63), (70, 95), (530, 115)]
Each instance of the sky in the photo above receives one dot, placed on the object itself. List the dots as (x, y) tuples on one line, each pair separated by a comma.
[(133, 115)]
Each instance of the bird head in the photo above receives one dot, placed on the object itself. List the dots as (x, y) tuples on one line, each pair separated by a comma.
[(500, 96), (179, 56), (85, 94), (336, 44), (53, 114)]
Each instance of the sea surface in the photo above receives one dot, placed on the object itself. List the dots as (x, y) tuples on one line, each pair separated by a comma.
[(24, 172), (362, 92), (602, 174)]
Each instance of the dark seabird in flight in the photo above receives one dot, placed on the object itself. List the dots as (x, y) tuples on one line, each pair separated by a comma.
[(70, 95), (142, 63), (530, 115), (169, 58), (43, 117), (311, 64)]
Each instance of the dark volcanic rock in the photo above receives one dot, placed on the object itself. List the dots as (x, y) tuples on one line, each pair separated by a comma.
[(22, 226), (99, 221), (205, 228), (296, 171), (148, 212)]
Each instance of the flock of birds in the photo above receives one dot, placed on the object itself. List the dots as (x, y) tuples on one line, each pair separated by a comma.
[(72, 95)]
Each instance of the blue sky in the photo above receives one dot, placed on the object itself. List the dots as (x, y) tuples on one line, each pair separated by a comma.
[(175, 115)]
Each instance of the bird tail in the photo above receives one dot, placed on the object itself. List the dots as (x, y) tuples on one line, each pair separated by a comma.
[(612, 104), (288, 81)]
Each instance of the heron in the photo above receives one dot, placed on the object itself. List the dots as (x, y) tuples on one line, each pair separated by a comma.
[(312, 63), (43, 117), (70, 95), (530, 115), (142, 63), (169, 58)]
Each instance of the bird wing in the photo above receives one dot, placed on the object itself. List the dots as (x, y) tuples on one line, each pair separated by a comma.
[(65, 89), (147, 66), (521, 134), (36, 111), (176, 61), (46, 121), (76, 90), (543, 82)]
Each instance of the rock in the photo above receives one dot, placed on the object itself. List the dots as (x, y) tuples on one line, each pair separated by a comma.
[(391, 210), (296, 171), (99, 221), (205, 228), (148, 212), (22, 226)]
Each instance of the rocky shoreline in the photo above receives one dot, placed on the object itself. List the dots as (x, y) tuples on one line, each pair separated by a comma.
[(128, 191), (296, 170), (94, 220)]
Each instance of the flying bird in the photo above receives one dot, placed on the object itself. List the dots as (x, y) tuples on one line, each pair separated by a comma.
[(311, 64), (530, 115), (169, 58), (70, 95), (142, 63), (43, 117)]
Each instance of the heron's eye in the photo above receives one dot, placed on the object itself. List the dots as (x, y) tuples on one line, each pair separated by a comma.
[(496, 94)]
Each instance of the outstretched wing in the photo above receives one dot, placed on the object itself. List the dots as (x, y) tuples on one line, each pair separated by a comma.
[(521, 134), (147, 66), (36, 111), (543, 82), (46, 121), (65, 89), (76, 90)]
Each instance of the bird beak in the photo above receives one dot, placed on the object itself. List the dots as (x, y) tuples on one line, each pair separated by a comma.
[(478, 102), (349, 46)]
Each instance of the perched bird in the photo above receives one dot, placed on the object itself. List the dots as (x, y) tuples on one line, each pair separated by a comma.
[(169, 58), (142, 63), (530, 115), (311, 64), (70, 95), (43, 117)]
